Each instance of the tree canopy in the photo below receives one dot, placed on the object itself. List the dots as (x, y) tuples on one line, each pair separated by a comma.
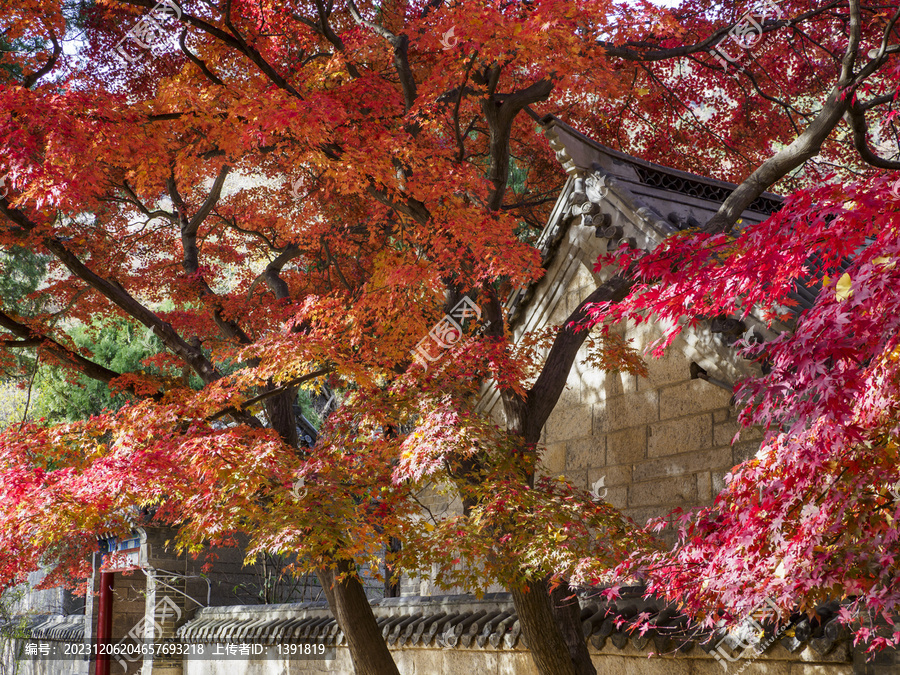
[(309, 187)]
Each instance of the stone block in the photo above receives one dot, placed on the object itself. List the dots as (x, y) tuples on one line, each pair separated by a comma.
[(586, 452), (570, 422), (584, 280), (681, 435), (574, 298), (418, 661), (609, 664), (720, 416), (669, 492), (691, 398), (624, 383), (596, 385), (718, 481), (559, 313), (553, 459), (671, 368), (641, 516), (741, 452), (687, 463), (824, 669), (571, 393), (613, 664), (617, 496), (469, 661), (612, 475), (632, 410), (724, 432), (626, 447), (704, 486), (578, 478), (512, 663), (709, 666)]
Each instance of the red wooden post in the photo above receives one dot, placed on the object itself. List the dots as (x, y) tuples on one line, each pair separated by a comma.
[(104, 623)]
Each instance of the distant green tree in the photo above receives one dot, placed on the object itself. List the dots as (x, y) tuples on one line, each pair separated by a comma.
[(62, 396), (21, 274)]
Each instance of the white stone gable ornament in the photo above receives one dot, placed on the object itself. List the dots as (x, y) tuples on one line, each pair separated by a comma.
[(597, 187)]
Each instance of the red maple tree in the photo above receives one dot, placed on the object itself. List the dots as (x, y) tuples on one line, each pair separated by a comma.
[(312, 186)]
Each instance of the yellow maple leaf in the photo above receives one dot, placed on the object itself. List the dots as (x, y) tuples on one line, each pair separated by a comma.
[(842, 289)]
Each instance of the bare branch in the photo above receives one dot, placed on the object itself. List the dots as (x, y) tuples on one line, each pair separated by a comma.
[(32, 79), (245, 406), (212, 77), (548, 387), (857, 119), (805, 146)]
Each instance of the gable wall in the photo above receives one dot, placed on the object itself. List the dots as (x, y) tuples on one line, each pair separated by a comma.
[(658, 442)]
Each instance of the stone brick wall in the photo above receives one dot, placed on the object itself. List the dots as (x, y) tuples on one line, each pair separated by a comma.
[(658, 442)]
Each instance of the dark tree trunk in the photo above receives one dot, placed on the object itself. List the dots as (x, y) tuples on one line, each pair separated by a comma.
[(280, 411), (346, 598), (391, 585), (545, 640), (551, 625), (567, 612), (354, 615)]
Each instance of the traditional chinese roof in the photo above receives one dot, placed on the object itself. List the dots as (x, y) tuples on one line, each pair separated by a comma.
[(611, 197), (466, 622), (50, 628)]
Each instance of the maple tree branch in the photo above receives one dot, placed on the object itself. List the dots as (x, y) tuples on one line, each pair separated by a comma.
[(30, 338), (116, 294), (191, 256), (630, 51), (255, 56), (253, 233), (460, 139), (805, 146), (857, 119), (323, 28), (883, 51), (20, 344), (211, 76), (337, 267), (400, 43), (691, 112), (543, 395), (500, 117), (212, 199), (401, 65), (231, 410), (877, 100), (32, 79), (852, 51), (371, 25), (135, 201), (234, 40), (410, 207), (272, 274)]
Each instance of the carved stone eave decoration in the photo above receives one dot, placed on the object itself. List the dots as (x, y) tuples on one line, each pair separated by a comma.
[(609, 200)]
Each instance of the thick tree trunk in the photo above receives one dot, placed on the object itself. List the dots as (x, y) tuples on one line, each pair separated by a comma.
[(354, 615), (552, 626), (545, 640), (346, 598), (567, 612)]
